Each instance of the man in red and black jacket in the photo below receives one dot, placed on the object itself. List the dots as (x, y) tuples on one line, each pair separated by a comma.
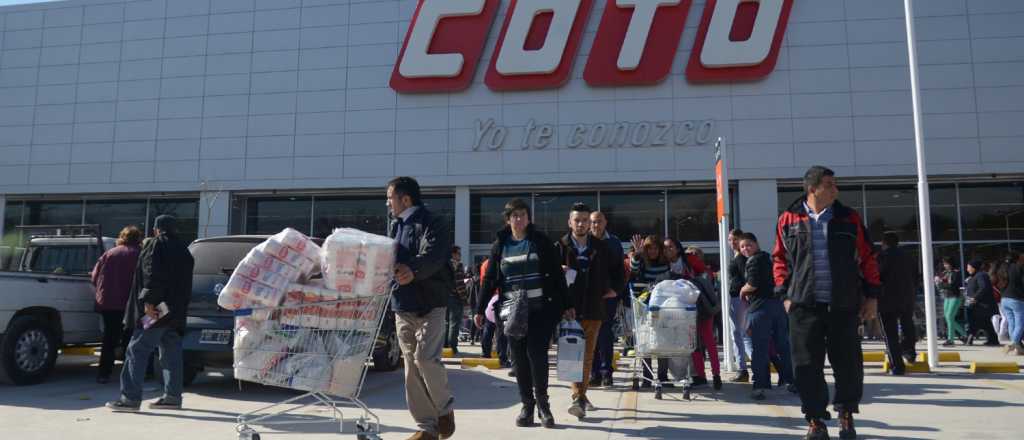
[(826, 272)]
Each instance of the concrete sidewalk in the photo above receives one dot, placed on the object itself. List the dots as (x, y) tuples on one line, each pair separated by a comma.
[(949, 403)]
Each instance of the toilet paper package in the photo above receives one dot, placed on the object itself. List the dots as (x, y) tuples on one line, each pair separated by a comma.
[(261, 275), (357, 262), (299, 242), (287, 255), (241, 292)]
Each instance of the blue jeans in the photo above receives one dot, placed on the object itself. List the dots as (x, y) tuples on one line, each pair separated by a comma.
[(1013, 309), (137, 359), (769, 324), (738, 316)]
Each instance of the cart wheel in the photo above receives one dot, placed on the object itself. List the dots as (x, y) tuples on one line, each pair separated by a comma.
[(636, 384), (255, 436), (657, 393), (686, 395)]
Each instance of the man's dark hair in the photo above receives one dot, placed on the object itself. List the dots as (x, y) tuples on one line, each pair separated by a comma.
[(406, 186), (736, 232), (166, 224), (516, 205), (890, 239), (581, 207), (948, 260), (748, 236), (815, 175), (456, 249)]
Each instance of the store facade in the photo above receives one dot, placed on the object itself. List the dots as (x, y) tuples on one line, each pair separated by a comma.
[(245, 116)]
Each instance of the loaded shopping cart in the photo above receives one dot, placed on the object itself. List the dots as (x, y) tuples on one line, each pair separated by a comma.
[(296, 329), (321, 347), (664, 325)]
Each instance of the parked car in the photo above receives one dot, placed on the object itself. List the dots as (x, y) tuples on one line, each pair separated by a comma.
[(47, 299), (209, 334)]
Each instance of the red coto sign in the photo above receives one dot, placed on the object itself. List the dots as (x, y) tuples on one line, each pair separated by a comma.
[(635, 44)]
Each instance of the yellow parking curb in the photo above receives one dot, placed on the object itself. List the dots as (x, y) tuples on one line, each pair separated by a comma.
[(79, 351), (994, 367), (944, 356), (916, 367), (447, 353), (874, 356), (492, 364)]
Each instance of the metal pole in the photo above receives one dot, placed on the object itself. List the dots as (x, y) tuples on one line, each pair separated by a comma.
[(724, 255), (924, 203)]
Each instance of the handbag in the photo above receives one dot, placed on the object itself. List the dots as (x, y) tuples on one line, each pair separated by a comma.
[(515, 311)]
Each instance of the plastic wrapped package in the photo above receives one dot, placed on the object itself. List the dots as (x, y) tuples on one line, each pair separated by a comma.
[(287, 255), (255, 353), (357, 262), (299, 242), (261, 275), (241, 292), (269, 263), (571, 348), (681, 290)]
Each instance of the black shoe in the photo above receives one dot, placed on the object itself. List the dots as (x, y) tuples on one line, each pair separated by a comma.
[(948, 343), (743, 376), (122, 405), (588, 405), (816, 430), (525, 417), (846, 428), (512, 372), (717, 382), (164, 404), (595, 382), (792, 388), (757, 394), (547, 420), (699, 381), (607, 381)]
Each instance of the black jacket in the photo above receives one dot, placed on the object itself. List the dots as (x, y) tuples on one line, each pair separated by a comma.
[(555, 290), (950, 283), (737, 274), (851, 258), (899, 280), (429, 258), (1014, 282), (162, 275), (586, 294), (759, 274), (979, 288)]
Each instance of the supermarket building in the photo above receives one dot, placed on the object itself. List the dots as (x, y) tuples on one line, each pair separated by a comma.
[(245, 116)]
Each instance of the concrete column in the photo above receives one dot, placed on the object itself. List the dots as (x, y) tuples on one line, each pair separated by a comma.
[(759, 210), (462, 222), (214, 212)]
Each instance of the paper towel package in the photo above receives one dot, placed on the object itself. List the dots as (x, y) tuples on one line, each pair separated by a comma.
[(357, 262)]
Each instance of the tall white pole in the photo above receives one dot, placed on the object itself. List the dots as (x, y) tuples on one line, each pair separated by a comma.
[(924, 203), (724, 256)]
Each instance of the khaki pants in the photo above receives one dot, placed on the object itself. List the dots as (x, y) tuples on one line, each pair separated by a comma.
[(590, 332), (426, 381)]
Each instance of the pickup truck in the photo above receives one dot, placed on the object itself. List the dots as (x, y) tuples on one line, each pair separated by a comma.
[(209, 333), (46, 299)]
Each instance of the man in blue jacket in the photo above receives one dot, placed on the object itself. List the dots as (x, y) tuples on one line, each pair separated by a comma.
[(423, 281)]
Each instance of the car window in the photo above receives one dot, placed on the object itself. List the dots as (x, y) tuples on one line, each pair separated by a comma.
[(213, 257), (65, 260)]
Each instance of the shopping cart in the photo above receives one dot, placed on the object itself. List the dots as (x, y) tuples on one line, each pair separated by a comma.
[(660, 331), (319, 347)]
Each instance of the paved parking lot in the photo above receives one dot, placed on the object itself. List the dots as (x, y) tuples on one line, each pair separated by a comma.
[(949, 403)]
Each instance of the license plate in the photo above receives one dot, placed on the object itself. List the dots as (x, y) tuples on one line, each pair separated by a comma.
[(209, 336)]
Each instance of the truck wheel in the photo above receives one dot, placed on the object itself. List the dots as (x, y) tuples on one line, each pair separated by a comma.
[(28, 352), (387, 356)]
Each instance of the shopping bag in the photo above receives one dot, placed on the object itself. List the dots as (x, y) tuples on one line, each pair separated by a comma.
[(571, 349)]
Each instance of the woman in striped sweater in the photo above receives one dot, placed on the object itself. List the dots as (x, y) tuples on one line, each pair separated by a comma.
[(648, 267)]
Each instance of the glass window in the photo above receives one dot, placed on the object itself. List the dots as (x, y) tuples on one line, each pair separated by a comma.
[(12, 218), (114, 215), (485, 215), (986, 252), (368, 214), (632, 213), (444, 207), (267, 216), (693, 215), (851, 196), (551, 211), (992, 194), (993, 211), (53, 213), (895, 209), (185, 210)]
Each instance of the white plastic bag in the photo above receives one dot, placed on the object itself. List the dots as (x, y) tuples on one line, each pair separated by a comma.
[(681, 290), (572, 347)]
